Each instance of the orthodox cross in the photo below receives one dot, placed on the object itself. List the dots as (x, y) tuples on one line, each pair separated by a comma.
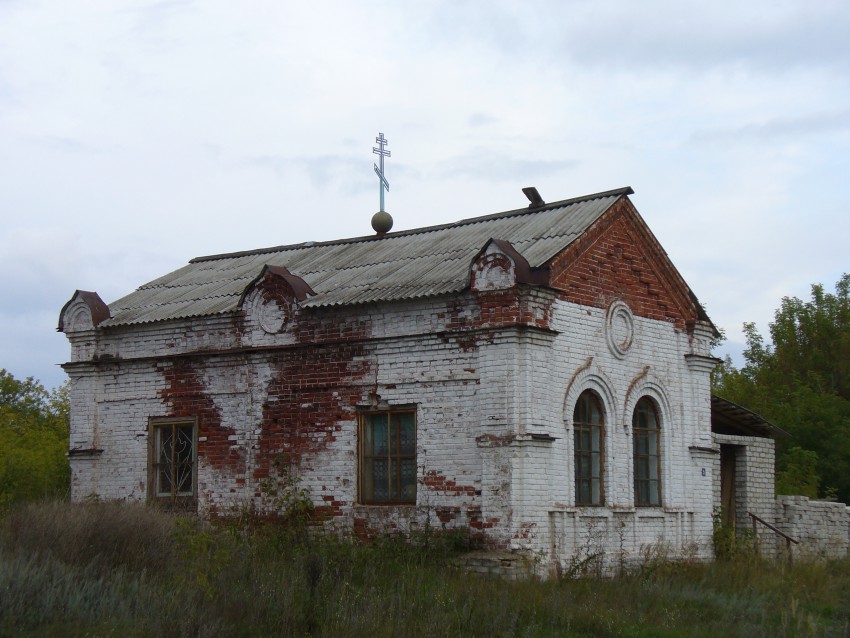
[(382, 152)]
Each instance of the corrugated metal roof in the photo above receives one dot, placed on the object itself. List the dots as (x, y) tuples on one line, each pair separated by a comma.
[(731, 418), (403, 265)]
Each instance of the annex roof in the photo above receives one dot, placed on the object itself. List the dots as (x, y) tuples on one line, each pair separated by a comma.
[(401, 265), (731, 418)]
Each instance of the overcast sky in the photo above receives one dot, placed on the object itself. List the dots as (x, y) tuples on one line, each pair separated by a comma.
[(137, 135)]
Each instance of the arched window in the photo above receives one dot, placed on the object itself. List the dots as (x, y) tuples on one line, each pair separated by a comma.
[(589, 437), (647, 450)]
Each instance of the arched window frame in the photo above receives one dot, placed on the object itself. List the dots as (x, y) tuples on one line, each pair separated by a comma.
[(589, 449), (647, 384), (588, 376), (647, 470)]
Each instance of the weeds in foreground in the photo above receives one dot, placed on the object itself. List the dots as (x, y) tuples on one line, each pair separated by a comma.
[(109, 569)]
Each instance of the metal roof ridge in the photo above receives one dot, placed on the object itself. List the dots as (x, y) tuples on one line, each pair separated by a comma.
[(527, 210), (626, 190)]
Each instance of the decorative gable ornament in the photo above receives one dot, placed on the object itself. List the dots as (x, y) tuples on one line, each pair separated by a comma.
[(500, 266), (84, 311), (272, 298), (619, 328)]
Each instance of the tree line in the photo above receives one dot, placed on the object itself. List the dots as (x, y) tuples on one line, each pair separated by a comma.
[(33, 440), (799, 381)]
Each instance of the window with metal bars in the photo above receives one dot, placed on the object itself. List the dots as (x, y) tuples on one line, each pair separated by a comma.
[(173, 460), (388, 457), (646, 433), (589, 441)]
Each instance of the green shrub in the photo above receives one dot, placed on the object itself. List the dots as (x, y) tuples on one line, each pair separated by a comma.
[(731, 543)]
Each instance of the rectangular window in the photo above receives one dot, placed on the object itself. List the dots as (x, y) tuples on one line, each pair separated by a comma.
[(173, 460), (388, 457)]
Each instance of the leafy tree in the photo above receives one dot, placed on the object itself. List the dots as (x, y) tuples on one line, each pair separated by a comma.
[(33, 440), (798, 473), (801, 383)]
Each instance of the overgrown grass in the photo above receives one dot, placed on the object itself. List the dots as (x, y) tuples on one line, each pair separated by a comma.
[(127, 570)]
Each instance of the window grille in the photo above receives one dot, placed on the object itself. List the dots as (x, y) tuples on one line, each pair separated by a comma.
[(173, 466)]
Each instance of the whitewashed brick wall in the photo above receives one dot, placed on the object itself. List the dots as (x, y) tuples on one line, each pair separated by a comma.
[(654, 366), (755, 476), (822, 527), (494, 430)]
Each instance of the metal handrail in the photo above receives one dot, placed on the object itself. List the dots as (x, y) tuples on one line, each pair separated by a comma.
[(788, 539)]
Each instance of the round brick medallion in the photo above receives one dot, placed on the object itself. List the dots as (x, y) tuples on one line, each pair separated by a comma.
[(619, 329), (272, 316)]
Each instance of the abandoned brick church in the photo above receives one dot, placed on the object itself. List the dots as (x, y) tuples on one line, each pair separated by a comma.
[(539, 377)]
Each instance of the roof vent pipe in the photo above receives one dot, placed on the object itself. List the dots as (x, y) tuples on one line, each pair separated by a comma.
[(533, 197)]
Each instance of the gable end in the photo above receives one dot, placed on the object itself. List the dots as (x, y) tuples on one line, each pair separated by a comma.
[(618, 258)]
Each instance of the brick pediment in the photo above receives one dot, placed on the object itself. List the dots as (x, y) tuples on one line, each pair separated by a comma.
[(618, 258)]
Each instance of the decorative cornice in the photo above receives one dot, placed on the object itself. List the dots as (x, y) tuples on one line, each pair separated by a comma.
[(701, 363)]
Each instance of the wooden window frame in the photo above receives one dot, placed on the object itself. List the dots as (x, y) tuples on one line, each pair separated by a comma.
[(368, 457), (175, 498), (580, 454), (652, 456)]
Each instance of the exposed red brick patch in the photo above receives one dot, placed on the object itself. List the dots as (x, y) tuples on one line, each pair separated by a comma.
[(472, 318), (360, 528), (496, 266), (436, 482), (314, 326), (619, 258), (277, 290), (380, 522), (186, 397), (500, 308), (526, 532), (479, 522), (312, 395), (495, 440), (447, 514), (467, 342)]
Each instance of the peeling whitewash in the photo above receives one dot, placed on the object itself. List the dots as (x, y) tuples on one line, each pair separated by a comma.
[(493, 416)]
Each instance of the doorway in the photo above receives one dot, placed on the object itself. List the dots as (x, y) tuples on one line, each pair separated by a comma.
[(728, 481)]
